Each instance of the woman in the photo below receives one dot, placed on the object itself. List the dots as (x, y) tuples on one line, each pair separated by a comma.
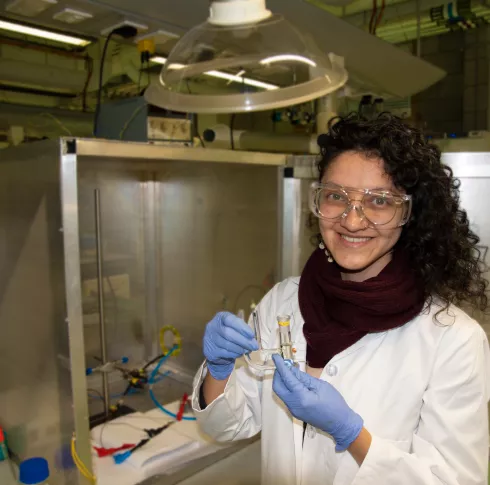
[(396, 384)]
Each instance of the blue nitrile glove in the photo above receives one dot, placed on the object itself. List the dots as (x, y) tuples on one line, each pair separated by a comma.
[(317, 403), (226, 338)]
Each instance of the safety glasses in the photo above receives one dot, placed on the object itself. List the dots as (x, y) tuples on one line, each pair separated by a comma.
[(332, 202)]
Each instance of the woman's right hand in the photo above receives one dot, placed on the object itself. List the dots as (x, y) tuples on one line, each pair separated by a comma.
[(226, 338)]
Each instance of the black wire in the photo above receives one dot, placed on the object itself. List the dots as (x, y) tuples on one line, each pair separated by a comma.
[(152, 361), (232, 122), (148, 67), (196, 125), (151, 434), (104, 425), (128, 388), (140, 73), (196, 130), (101, 81), (89, 62), (96, 392)]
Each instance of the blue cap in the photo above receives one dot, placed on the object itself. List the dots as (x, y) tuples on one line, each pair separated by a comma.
[(33, 471)]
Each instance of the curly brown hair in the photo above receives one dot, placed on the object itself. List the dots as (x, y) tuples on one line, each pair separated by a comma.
[(437, 238)]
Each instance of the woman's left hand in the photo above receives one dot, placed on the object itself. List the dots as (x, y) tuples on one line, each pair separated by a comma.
[(317, 403)]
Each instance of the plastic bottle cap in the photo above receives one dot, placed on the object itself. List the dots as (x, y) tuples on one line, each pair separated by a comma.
[(33, 471)]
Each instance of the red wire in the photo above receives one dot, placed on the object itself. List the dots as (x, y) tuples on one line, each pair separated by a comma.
[(380, 16), (180, 414), (102, 452), (373, 14)]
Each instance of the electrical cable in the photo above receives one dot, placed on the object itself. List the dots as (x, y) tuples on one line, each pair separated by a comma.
[(152, 395), (101, 81), (196, 130), (232, 138), (152, 361), (148, 67), (151, 433), (130, 120), (140, 73), (373, 15), (82, 468), (99, 396), (195, 120), (380, 16), (104, 426), (89, 63), (95, 391), (127, 32), (57, 121)]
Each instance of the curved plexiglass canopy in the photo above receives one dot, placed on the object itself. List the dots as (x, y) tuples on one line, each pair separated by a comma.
[(236, 68)]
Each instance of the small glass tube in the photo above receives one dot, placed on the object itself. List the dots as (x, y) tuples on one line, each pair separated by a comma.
[(284, 323)]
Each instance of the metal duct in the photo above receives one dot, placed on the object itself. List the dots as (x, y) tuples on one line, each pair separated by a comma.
[(46, 76), (42, 121), (220, 137)]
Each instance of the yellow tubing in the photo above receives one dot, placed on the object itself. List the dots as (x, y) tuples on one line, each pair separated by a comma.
[(177, 340)]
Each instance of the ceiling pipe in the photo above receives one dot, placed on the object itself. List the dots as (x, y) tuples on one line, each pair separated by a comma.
[(133, 15), (46, 76), (220, 137), (43, 48), (42, 120), (400, 12)]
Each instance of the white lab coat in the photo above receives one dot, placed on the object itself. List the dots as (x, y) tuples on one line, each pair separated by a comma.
[(421, 389)]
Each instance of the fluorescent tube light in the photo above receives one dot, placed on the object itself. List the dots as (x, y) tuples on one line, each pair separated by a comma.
[(42, 33), (288, 57)]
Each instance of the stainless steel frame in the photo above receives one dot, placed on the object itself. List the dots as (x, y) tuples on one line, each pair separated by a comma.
[(299, 226), (198, 224)]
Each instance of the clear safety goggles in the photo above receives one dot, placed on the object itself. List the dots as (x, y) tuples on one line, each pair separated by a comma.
[(377, 207)]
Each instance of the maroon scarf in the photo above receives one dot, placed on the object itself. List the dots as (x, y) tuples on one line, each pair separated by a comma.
[(338, 313)]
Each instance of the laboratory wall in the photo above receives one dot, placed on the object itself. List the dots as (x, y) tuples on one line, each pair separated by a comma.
[(459, 102)]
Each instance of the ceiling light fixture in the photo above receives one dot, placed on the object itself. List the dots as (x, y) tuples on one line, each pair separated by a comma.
[(269, 64), (29, 8), (72, 16), (221, 75), (42, 33)]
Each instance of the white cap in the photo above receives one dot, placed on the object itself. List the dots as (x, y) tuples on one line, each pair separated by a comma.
[(237, 12)]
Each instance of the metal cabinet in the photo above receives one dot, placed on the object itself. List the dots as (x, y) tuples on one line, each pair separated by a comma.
[(171, 235)]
